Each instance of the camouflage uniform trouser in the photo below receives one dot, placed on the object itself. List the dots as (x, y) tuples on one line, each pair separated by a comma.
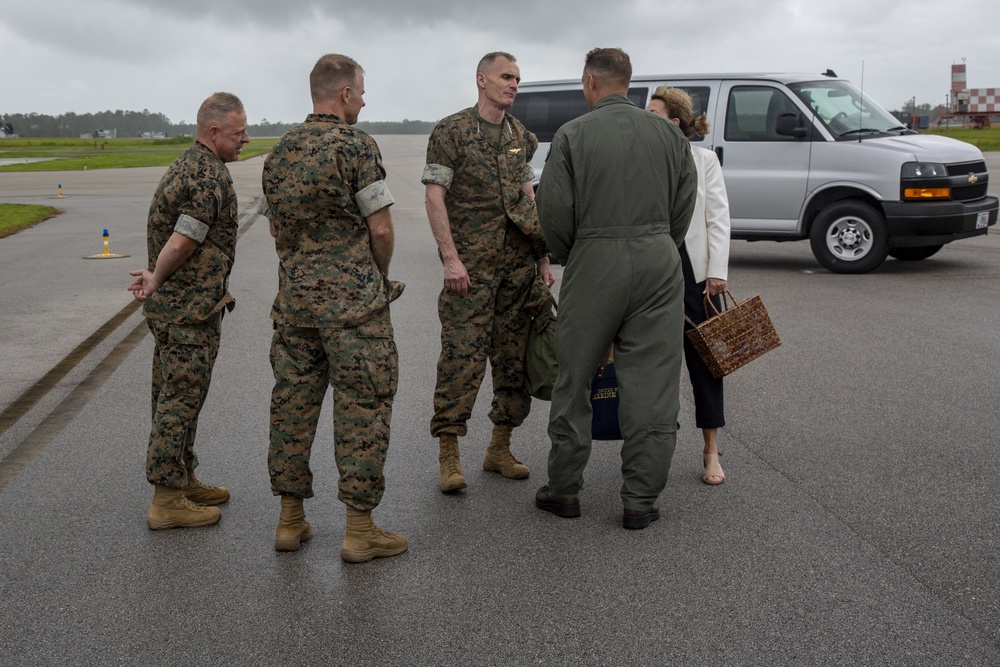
[(489, 321), (361, 365), (183, 357)]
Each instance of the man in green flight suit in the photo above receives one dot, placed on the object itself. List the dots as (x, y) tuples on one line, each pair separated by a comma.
[(329, 210), (191, 246), (615, 201), (481, 207)]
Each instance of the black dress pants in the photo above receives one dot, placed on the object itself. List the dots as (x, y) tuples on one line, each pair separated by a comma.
[(709, 407)]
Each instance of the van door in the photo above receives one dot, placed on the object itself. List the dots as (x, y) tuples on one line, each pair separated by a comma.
[(766, 173)]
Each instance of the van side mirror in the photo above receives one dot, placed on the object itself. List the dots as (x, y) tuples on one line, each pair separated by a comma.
[(788, 125)]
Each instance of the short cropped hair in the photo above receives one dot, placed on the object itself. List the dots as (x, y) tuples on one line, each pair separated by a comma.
[(216, 108), (679, 106), (487, 61), (331, 74), (611, 65)]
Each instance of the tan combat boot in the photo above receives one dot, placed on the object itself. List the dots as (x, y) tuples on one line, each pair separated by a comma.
[(364, 541), (171, 509), (499, 458), (293, 529), (452, 477), (204, 494)]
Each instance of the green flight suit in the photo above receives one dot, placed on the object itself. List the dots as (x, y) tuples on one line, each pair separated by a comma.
[(615, 201)]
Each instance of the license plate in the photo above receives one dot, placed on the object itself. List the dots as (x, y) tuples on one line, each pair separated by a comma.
[(982, 220)]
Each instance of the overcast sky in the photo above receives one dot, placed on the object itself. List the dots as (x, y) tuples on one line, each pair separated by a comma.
[(166, 56)]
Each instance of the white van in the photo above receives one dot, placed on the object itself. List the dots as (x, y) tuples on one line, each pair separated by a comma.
[(808, 156)]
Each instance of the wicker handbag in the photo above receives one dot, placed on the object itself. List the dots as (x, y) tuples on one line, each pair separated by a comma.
[(734, 337)]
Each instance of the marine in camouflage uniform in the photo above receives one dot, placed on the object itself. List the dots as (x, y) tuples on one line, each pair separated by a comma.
[(331, 314), (485, 171), (185, 313), (194, 207), (323, 181)]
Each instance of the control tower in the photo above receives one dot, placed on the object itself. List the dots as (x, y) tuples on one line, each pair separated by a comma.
[(974, 106)]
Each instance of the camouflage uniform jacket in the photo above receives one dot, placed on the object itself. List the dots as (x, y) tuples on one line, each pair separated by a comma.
[(483, 182), (321, 180), (195, 198)]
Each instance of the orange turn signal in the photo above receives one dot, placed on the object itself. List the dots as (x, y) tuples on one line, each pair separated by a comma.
[(927, 193)]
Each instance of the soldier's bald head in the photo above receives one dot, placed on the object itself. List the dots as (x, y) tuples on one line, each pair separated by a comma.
[(331, 74), (215, 110), (486, 62)]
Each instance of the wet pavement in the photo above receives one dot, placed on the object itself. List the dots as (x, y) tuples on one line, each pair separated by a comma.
[(858, 524)]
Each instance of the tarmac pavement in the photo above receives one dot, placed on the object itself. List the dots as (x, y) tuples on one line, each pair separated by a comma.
[(858, 524)]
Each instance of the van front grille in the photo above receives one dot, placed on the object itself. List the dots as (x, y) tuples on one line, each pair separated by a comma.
[(970, 192), (962, 168)]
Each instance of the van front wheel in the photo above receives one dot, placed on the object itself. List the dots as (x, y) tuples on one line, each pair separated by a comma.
[(849, 237)]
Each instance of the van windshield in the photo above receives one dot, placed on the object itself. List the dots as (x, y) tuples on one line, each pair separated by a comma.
[(845, 111)]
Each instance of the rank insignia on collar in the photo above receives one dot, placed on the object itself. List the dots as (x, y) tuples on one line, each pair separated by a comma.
[(514, 150)]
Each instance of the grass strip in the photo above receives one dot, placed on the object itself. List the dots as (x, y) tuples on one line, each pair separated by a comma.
[(15, 217)]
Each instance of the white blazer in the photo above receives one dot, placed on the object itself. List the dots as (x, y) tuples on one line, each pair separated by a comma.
[(707, 239)]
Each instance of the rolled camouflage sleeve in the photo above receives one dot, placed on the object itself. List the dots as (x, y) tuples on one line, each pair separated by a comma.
[(374, 198), (201, 209), (263, 208), (191, 227), (438, 174), (442, 154), (529, 172), (373, 193)]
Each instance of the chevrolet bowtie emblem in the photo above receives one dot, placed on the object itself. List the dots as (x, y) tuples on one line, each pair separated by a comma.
[(514, 150), (973, 179)]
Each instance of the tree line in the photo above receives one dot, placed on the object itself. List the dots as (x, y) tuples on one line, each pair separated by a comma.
[(145, 122)]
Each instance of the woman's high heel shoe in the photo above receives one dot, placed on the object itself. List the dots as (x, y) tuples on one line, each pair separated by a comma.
[(714, 478)]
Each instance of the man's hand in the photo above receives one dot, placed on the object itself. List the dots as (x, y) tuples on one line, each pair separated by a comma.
[(175, 252), (456, 278), (143, 286), (544, 269)]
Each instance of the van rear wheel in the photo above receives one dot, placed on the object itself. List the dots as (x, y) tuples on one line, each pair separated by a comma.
[(849, 236), (914, 254)]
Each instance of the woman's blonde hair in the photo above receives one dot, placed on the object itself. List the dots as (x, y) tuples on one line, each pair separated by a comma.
[(679, 106)]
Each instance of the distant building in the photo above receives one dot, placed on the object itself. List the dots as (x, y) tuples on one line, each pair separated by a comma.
[(100, 134), (984, 100), (152, 135), (6, 130), (975, 106)]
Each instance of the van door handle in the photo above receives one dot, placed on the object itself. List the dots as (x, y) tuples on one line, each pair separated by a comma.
[(718, 152)]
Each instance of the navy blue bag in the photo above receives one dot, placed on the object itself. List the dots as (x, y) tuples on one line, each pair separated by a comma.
[(604, 400)]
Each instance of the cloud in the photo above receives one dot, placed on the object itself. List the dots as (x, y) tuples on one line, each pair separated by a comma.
[(92, 55)]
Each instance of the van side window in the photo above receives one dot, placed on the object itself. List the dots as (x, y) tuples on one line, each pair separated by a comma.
[(753, 111), (544, 112)]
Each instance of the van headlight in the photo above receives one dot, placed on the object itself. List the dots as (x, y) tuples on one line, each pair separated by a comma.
[(924, 170), (925, 180)]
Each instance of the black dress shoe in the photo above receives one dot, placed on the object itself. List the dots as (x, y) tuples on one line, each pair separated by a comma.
[(638, 519), (567, 508)]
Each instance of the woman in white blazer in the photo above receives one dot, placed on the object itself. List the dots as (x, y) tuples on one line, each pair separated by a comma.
[(705, 260)]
